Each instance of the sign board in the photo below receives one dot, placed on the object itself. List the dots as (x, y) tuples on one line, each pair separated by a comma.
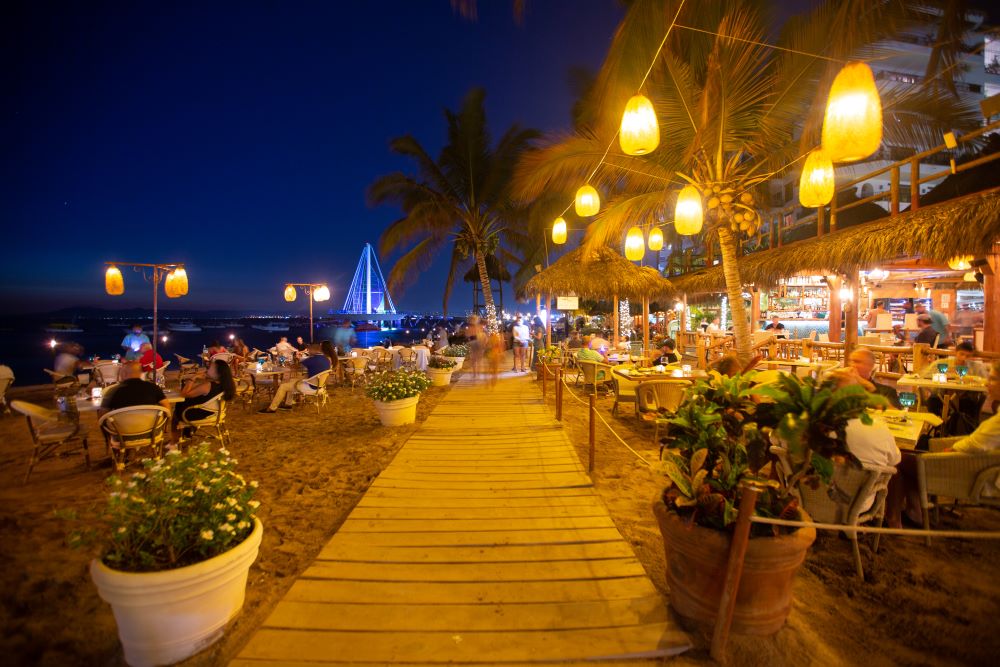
[(910, 321), (883, 321), (567, 303)]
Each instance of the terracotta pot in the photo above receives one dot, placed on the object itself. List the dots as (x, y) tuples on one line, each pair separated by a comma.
[(696, 572)]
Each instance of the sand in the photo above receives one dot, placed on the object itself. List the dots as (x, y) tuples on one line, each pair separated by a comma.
[(921, 606)]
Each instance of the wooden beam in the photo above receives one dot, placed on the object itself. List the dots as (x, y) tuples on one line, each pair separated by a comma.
[(991, 304), (851, 313), (645, 324), (834, 283)]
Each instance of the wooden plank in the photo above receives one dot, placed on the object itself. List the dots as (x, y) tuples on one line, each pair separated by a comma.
[(476, 572), (422, 485), (401, 498), (337, 660), (477, 513), (438, 554), (488, 473), (483, 538), (656, 639), (498, 493), (468, 618), (353, 525)]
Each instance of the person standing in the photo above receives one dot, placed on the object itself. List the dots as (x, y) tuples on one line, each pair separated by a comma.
[(344, 338), (522, 338), (133, 343), (476, 337)]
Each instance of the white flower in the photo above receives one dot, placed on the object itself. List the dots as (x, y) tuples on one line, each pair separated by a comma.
[(254, 504), (174, 452), (230, 517), (226, 527), (207, 535), (242, 524), (139, 475), (254, 484)]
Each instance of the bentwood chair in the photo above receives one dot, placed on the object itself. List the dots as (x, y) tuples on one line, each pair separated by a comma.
[(658, 400), (212, 425), (49, 434), (355, 369), (134, 428), (314, 389), (382, 359), (106, 373), (596, 375)]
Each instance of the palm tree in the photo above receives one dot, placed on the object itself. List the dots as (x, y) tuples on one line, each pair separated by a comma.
[(460, 200), (732, 112)]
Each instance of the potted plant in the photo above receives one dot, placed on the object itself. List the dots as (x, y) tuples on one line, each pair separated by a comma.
[(456, 353), (178, 539), (720, 438), (396, 394), (550, 356), (440, 369)]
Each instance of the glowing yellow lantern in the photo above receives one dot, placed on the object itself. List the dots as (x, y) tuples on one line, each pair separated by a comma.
[(640, 133), (852, 126), (635, 246), (688, 216), (114, 284), (969, 277), (290, 293), (180, 281), (816, 184), (655, 239), (321, 293), (170, 286), (960, 263), (588, 202), (559, 231)]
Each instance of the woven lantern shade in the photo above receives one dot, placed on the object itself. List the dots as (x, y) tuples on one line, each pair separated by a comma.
[(170, 286), (588, 202), (655, 240), (321, 293), (640, 133), (180, 280), (114, 284), (688, 216), (559, 231), (290, 293), (960, 263), (816, 184), (852, 126), (635, 246)]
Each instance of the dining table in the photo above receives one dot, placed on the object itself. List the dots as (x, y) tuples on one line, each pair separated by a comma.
[(906, 427), (654, 373), (949, 388), (87, 403)]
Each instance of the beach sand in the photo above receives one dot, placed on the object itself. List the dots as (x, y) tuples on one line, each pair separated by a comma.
[(934, 606)]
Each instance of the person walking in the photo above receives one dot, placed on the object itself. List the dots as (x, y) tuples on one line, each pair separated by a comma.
[(522, 338)]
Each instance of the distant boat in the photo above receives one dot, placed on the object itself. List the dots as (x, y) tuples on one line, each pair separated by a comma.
[(213, 325), (63, 327), (186, 325), (367, 326), (270, 326)]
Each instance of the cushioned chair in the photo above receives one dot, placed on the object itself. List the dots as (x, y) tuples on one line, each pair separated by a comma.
[(956, 475), (134, 428), (50, 435), (314, 389), (212, 425)]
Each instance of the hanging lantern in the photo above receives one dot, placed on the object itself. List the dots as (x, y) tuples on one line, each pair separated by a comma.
[(635, 246), (640, 133), (687, 215), (655, 240), (969, 277), (816, 184), (321, 293), (960, 263), (170, 286), (290, 293), (588, 202), (180, 280), (114, 284), (559, 231), (852, 126)]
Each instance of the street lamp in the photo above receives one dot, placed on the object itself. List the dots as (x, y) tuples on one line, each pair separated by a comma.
[(175, 285), (314, 292)]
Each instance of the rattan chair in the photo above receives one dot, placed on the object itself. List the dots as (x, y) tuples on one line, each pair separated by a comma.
[(381, 359), (659, 399), (957, 475), (355, 370), (408, 359), (161, 372), (134, 428), (5, 383), (212, 425), (106, 373), (246, 390), (49, 434), (591, 370), (314, 389), (624, 393)]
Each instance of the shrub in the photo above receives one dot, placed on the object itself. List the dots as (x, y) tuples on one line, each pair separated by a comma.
[(441, 363)]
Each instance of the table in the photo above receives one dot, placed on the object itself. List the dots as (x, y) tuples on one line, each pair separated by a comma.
[(949, 388), (85, 403), (818, 366), (906, 427), (632, 375)]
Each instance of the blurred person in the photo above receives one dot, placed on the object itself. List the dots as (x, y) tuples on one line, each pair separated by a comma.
[(314, 365), (476, 338), (927, 334), (494, 356), (132, 390), (133, 342), (68, 361), (284, 349), (215, 381), (300, 344), (938, 320), (775, 325), (146, 358), (598, 344), (240, 348), (666, 354), (440, 338), (575, 341), (344, 337), (872, 319), (216, 348)]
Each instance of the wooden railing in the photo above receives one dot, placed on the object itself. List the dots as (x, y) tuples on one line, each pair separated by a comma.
[(924, 354)]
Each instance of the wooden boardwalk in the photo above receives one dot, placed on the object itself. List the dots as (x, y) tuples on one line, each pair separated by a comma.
[(483, 542)]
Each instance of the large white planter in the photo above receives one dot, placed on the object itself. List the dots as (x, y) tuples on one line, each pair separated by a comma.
[(165, 617), (398, 413), (440, 377), (458, 362)]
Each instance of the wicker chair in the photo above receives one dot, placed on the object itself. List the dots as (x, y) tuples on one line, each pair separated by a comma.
[(381, 359), (408, 359), (660, 399), (624, 392), (355, 370), (246, 390), (5, 383), (591, 370), (106, 373), (134, 428), (314, 389), (49, 434), (957, 475), (214, 423)]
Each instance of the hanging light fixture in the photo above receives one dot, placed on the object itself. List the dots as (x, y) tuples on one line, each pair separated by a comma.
[(635, 246), (588, 202), (114, 284), (170, 286), (816, 184), (688, 216), (640, 133), (559, 231), (290, 293), (655, 240), (960, 262), (852, 125), (180, 280), (321, 293), (969, 277)]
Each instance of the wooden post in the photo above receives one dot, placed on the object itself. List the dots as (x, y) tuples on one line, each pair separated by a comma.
[(851, 314), (545, 373), (614, 322), (820, 220), (833, 214), (700, 352), (548, 320), (559, 393), (807, 348), (991, 302), (645, 325), (684, 316), (593, 429), (914, 184), (754, 309), (734, 572), (834, 283), (894, 191)]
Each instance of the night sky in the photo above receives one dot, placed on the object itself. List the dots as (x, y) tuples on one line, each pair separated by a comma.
[(240, 137)]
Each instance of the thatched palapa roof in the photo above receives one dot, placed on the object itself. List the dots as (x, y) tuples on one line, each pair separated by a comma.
[(969, 225), (600, 274)]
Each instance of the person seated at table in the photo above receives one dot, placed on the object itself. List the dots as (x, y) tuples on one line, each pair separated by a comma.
[(300, 344), (146, 358), (574, 342), (775, 325), (862, 363), (216, 348), (314, 365), (68, 361), (132, 390), (284, 349), (133, 342), (597, 343), (965, 417), (961, 357), (240, 348), (714, 326), (667, 354), (927, 334), (589, 353), (202, 388)]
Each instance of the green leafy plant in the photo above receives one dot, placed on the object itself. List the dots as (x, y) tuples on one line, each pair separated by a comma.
[(396, 385), (549, 354), (178, 510), (441, 363), (456, 351)]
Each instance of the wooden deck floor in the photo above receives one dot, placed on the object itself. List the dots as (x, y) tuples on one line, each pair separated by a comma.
[(483, 542)]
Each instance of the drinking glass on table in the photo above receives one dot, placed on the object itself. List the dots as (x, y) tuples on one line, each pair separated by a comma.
[(942, 368), (907, 399), (962, 372)]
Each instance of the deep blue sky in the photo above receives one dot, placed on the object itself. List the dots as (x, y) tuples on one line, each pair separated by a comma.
[(239, 137)]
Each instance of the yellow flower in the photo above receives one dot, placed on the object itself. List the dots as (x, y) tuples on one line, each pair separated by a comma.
[(207, 535)]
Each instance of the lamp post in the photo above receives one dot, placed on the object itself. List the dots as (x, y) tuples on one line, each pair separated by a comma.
[(176, 285), (314, 292)]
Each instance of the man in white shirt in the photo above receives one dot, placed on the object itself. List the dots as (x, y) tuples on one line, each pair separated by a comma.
[(522, 338), (284, 348)]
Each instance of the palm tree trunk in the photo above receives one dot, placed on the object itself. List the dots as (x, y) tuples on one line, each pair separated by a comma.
[(734, 289), (492, 325)]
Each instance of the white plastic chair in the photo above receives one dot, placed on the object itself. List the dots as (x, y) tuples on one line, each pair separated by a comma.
[(106, 372), (960, 476), (134, 428)]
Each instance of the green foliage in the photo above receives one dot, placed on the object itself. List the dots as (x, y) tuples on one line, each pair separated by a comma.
[(455, 351), (439, 362), (549, 354), (396, 385)]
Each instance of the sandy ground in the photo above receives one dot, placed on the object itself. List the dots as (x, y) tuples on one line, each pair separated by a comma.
[(921, 606)]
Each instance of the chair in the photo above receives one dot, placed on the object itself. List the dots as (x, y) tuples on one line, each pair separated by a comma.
[(246, 390), (215, 422), (158, 375), (957, 475), (355, 369), (106, 373), (314, 389), (660, 398), (186, 367), (5, 383), (382, 359), (408, 359), (49, 434), (226, 357), (624, 392), (134, 428), (590, 370)]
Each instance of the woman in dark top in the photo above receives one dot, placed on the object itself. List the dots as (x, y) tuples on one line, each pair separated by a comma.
[(218, 379)]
